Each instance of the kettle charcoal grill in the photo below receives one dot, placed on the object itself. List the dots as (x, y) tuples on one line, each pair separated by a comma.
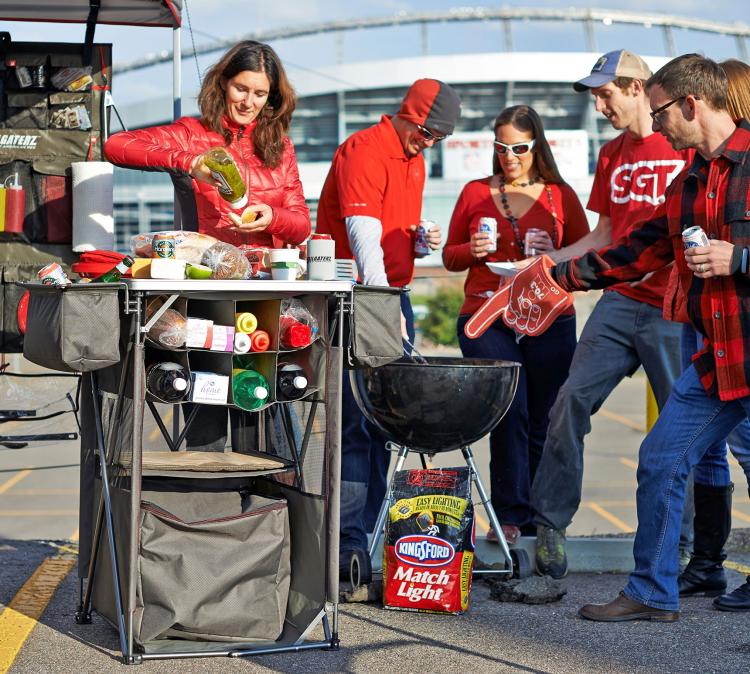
[(433, 405)]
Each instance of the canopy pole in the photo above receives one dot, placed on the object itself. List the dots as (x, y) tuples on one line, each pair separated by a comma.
[(176, 74), (176, 102)]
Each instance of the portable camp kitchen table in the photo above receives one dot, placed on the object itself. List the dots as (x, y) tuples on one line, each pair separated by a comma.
[(113, 467)]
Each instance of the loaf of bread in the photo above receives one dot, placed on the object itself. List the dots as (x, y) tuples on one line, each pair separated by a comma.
[(169, 331), (226, 261)]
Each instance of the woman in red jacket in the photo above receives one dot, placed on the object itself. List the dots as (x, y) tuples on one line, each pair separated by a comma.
[(535, 211), (246, 105)]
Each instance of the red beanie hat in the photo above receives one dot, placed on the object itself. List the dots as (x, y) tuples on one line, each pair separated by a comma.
[(432, 104)]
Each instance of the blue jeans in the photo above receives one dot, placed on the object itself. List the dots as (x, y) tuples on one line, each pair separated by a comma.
[(690, 425), (364, 464), (516, 443), (739, 438), (620, 335)]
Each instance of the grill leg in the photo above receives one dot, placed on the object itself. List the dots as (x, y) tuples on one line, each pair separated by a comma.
[(485, 499), (377, 533)]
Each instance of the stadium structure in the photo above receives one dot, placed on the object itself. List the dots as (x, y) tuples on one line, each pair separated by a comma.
[(331, 106)]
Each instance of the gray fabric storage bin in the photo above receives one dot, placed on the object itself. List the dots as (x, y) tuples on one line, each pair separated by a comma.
[(375, 327), (74, 328), (212, 566)]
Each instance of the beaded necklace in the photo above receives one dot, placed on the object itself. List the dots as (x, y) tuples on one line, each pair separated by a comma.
[(514, 221)]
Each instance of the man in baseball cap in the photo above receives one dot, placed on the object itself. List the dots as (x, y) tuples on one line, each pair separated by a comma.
[(631, 178), (371, 204), (610, 66)]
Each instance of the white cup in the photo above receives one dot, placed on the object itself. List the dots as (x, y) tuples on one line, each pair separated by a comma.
[(285, 264), (321, 259)]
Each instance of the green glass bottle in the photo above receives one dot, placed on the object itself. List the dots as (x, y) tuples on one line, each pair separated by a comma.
[(250, 389), (225, 171), (116, 273)]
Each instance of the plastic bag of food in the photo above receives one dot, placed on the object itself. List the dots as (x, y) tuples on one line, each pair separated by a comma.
[(226, 261), (73, 79), (188, 246), (297, 326), (169, 330)]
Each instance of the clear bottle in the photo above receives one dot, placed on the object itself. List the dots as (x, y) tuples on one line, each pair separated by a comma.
[(250, 389), (116, 273), (291, 382), (168, 381), (225, 171)]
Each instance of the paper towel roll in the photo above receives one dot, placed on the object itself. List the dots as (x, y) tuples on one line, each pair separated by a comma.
[(93, 224)]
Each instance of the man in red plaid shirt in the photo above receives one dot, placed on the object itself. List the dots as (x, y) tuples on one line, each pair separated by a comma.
[(688, 103)]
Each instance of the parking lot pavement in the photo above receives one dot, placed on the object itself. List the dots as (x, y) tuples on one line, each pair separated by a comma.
[(490, 637)]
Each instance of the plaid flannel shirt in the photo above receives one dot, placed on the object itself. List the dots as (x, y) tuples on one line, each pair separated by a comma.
[(716, 196)]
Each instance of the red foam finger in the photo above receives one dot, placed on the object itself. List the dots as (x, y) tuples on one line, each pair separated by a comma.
[(488, 313)]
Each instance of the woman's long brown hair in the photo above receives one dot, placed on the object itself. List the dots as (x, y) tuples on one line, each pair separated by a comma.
[(525, 118), (738, 93), (276, 115)]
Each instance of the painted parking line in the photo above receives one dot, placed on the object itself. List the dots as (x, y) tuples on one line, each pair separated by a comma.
[(156, 431), (629, 463), (740, 516), (612, 416), (612, 519), (742, 568), (20, 617), (12, 481)]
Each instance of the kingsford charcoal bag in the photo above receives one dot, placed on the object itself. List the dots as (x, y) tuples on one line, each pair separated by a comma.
[(429, 541)]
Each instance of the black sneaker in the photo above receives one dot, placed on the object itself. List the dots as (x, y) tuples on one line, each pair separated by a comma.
[(551, 559)]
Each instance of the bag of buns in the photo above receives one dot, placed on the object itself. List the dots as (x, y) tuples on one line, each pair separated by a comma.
[(226, 261)]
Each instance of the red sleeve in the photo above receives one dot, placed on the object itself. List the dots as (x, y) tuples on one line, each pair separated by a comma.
[(575, 225), (156, 147), (291, 222), (599, 198), (361, 180), (456, 252)]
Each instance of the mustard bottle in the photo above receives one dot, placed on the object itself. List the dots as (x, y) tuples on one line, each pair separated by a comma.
[(225, 171)]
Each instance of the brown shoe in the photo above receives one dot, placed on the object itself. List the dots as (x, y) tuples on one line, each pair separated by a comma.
[(623, 608)]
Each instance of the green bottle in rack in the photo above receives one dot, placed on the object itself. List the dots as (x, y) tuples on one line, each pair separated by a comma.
[(250, 389)]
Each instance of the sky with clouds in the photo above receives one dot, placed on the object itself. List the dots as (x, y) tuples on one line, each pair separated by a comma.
[(222, 19)]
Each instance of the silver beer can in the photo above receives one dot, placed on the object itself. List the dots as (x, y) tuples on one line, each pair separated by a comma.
[(694, 236), (421, 247), (489, 225)]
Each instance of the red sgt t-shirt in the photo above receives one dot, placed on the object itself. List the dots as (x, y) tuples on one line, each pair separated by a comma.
[(631, 177), (371, 175)]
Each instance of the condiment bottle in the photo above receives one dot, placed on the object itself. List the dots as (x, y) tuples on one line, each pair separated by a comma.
[(225, 171)]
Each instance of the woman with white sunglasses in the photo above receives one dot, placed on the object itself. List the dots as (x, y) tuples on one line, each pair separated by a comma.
[(536, 211)]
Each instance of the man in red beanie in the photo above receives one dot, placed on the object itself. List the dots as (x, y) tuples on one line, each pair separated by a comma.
[(370, 204)]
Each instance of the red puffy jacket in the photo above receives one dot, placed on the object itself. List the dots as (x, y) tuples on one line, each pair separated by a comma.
[(173, 148)]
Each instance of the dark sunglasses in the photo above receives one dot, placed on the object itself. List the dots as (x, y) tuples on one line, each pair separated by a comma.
[(517, 148), (655, 113), (428, 135)]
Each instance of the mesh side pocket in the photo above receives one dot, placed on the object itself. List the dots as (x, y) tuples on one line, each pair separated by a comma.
[(375, 329), (73, 328)]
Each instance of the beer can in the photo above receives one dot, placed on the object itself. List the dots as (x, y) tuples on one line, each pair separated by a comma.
[(489, 225), (421, 246), (694, 236), (162, 245), (528, 249), (53, 275)]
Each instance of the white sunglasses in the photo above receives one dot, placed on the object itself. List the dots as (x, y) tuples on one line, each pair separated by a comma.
[(517, 148)]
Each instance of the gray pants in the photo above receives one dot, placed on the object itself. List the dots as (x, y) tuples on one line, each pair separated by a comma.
[(620, 335)]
